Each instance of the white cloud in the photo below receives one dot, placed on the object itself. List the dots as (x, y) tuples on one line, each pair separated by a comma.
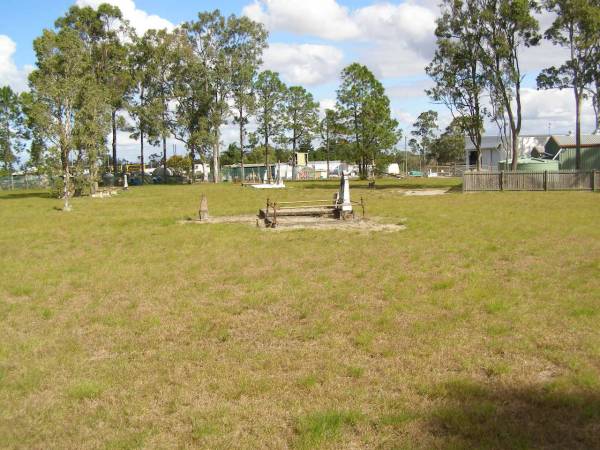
[(305, 64), (402, 37), (397, 39), (322, 18), (555, 108), (407, 22), (10, 74), (326, 103), (139, 19), (405, 119), (394, 60), (411, 90)]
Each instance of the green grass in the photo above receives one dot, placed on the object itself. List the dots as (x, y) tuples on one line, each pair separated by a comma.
[(322, 427), (475, 327)]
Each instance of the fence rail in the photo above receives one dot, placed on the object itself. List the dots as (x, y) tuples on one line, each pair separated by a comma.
[(532, 181)]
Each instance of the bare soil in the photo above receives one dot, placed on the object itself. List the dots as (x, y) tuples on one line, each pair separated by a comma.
[(299, 223)]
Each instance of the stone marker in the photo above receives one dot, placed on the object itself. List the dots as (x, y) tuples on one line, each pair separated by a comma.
[(344, 204), (203, 213), (125, 185)]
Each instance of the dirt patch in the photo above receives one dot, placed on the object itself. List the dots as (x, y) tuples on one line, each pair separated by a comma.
[(302, 223), (426, 192)]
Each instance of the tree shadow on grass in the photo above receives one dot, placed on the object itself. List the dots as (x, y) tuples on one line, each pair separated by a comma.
[(22, 195), (496, 417)]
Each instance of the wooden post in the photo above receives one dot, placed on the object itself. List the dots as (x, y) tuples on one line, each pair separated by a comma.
[(545, 180), (502, 180), (203, 212), (267, 211), (594, 178)]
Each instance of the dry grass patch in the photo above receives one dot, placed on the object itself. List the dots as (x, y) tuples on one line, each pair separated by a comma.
[(476, 326)]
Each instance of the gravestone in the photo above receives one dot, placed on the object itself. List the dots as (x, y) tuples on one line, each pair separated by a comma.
[(343, 201), (125, 184), (203, 213)]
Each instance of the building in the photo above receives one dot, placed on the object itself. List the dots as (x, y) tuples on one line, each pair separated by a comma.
[(563, 148), (494, 149)]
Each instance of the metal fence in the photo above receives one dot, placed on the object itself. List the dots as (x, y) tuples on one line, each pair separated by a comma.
[(25, 182), (532, 181)]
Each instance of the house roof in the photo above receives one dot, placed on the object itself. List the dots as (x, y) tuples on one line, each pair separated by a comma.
[(587, 140), (487, 142)]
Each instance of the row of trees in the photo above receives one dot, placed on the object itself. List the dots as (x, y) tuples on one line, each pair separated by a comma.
[(477, 67), (95, 76)]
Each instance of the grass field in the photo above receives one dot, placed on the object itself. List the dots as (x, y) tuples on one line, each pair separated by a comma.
[(478, 326)]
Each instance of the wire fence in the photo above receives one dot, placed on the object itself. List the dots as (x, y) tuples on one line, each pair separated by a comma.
[(12, 182)]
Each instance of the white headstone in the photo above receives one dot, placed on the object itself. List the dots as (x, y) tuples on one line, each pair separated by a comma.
[(125, 184), (278, 178), (344, 196)]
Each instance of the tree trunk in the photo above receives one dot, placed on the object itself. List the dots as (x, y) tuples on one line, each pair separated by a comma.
[(597, 105), (577, 129), (241, 118), (93, 172), (114, 141), (66, 180), (294, 161), (142, 154), (164, 142), (216, 157), (267, 158), (7, 150), (192, 156), (327, 155)]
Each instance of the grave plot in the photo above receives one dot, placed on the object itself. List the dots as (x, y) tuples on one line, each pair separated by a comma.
[(338, 213)]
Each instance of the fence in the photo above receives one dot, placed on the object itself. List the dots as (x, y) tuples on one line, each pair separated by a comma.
[(25, 182), (532, 181)]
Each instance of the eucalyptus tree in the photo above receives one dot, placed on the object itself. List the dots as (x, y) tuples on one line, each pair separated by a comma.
[(457, 70), (13, 131), (270, 95), (163, 54), (365, 115), (300, 118), (208, 40), (425, 132), (576, 26), (329, 130), (594, 91), (61, 77), (247, 40), (191, 97), (144, 106), (506, 27), (101, 31), (91, 127)]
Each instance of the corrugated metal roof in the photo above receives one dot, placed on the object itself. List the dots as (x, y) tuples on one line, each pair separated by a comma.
[(487, 142), (588, 140)]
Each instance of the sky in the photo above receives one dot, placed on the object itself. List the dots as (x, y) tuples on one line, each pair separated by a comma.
[(310, 42)]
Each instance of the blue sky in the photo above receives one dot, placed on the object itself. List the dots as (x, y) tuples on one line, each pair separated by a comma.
[(310, 42)]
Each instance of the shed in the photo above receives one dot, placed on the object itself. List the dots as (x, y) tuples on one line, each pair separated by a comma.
[(494, 149), (563, 148)]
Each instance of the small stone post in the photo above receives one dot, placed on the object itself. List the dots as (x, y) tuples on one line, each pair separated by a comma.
[(344, 204), (203, 213), (125, 184)]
